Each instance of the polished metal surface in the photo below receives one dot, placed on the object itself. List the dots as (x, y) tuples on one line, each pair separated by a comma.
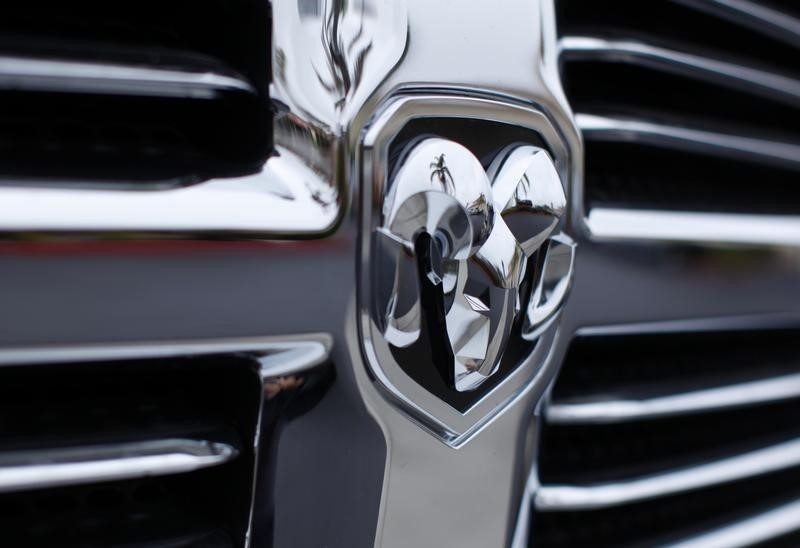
[(552, 287), (749, 530), (68, 76), (277, 355), (417, 511), (380, 479), (656, 271), (765, 151), (602, 495), (287, 199), (607, 224), (300, 191), (419, 200), (486, 467), (284, 374), (734, 75), (617, 408), (442, 191), (702, 324), (54, 467), (334, 63), (284, 366)]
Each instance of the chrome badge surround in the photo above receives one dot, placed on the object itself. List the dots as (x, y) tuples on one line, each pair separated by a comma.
[(452, 425)]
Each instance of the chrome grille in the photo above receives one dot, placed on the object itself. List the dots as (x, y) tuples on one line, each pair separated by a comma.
[(655, 434), (155, 452), (686, 106), (655, 438), (150, 93)]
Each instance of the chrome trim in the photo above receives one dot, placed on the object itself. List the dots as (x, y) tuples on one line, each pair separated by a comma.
[(287, 199), (458, 52), (748, 79), (63, 76), (603, 128), (446, 422), (25, 470), (278, 355), (441, 190), (326, 64), (703, 324), (283, 367), (599, 410), (522, 531), (279, 358), (551, 498), (685, 227), (771, 22), (748, 531), (485, 477), (551, 290)]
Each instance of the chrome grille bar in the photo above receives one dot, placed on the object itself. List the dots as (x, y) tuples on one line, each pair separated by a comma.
[(77, 465), (604, 128), (589, 410), (721, 72), (705, 228), (286, 199), (754, 463), (68, 76)]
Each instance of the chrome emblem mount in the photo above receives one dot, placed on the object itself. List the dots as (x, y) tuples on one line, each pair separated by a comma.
[(465, 264)]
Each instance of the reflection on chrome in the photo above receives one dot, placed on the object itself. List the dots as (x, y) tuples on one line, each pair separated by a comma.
[(444, 227), (724, 73), (698, 228), (328, 57), (51, 467), (69, 76), (724, 145), (753, 463), (552, 287)]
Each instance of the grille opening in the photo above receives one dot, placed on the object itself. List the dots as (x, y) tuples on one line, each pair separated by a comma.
[(197, 509), (234, 32), (97, 139), (630, 455), (73, 131), (639, 92), (748, 106), (624, 175), (593, 453), (676, 25), (657, 521), (605, 368), (214, 398), (692, 362)]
